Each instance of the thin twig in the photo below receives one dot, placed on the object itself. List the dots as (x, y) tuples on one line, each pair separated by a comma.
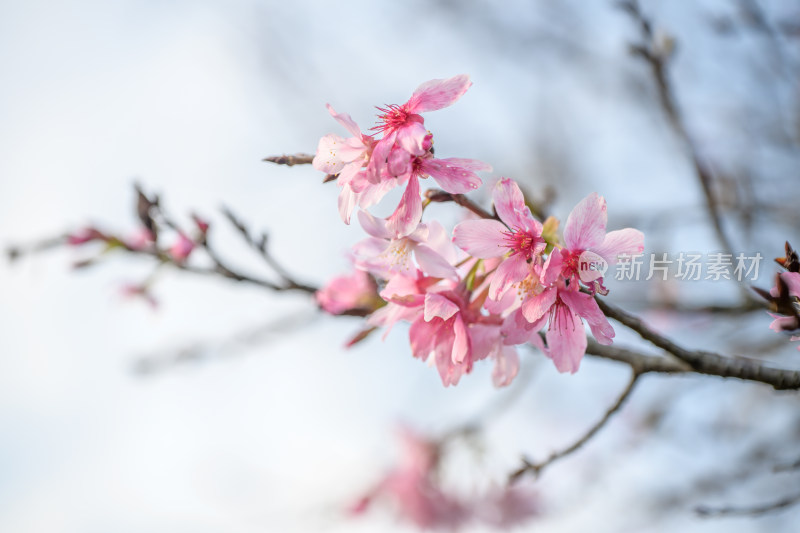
[(537, 468), (755, 510), (787, 467), (658, 59), (198, 351), (436, 195), (290, 160), (260, 246)]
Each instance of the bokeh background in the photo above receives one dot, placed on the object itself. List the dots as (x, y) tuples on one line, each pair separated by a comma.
[(271, 425)]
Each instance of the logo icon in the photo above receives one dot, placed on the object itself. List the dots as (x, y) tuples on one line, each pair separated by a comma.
[(591, 266)]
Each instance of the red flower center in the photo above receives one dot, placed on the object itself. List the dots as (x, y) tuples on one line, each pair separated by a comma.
[(523, 243)]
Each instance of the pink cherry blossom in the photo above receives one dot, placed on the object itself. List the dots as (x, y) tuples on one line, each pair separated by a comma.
[(585, 230), (449, 334), (386, 253), (85, 235), (488, 341), (518, 238), (405, 297), (354, 291), (403, 124), (345, 157), (786, 323), (454, 175), (201, 223), (141, 240), (182, 248), (505, 507), (565, 306), (139, 290), (412, 486)]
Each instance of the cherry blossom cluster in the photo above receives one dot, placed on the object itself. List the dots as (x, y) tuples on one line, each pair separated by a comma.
[(491, 285), (143, 240), (415, 489)]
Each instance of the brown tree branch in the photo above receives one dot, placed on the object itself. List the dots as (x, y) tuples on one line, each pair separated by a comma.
[(437, 195), (640, 363), (536, 468), (290, 160), (705, 362)]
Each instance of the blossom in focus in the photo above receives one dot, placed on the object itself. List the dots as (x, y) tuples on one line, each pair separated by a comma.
[(564, 306), (345, 158), (354, 291), (517, 239), (451, 333), (404, 294), (403, 124), (585, 230), (454, 175), (386, 253)]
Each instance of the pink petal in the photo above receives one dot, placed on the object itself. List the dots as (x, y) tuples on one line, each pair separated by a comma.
[(485, 339), (626, 241), (449, 372), (510, 271), (510, 205), (517, 330), (353, 151), (434, 264), (783, 323), (552, 268), (403, 290), (566, 340), (182, 248), (506, 303), (506, 366), (327, 158), (406, 217), (379, 155), (535, 308), (422, 337), (411, 138), (345, 120), (451, 177), (469, 164), (437, 305), (586, 306), (439, 241), (348, 174), (399, 162), (481, 238), (460, 341), (347, 202), (586, 224), (792, 280), (376, 227), (371, 194), (437, 94)]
